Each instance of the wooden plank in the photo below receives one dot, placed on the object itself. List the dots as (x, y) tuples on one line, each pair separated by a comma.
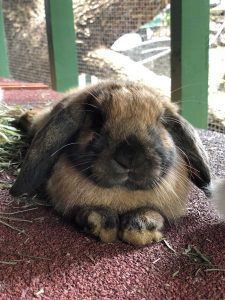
[(21, 85), (61, 44), (4, 63), (189, 59)]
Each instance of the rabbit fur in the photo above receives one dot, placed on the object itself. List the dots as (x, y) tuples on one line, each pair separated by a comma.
[(116, 158)]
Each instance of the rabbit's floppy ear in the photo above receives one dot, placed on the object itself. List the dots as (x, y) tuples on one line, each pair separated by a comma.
[(64, 122), (189, 144)]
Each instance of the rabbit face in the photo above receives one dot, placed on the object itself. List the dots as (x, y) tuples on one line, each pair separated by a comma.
[(131, 162), (123, 143)]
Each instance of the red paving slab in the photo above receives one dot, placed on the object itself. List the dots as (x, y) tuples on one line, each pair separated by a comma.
[(30, 97), (56, 262), (27, 95)]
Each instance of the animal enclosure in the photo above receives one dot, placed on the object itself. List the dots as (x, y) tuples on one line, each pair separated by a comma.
[(115, 39)]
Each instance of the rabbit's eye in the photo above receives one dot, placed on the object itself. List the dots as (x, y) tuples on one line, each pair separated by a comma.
[(99, 142)]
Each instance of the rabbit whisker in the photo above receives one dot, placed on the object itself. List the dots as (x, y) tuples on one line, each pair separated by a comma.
[(81, 156), (167, 186), (186, 86), (97, 133), (83, 163), (185, 155), (188, 165), (165, 119), (94, 96), (70, 144), (87, 169), (162, 192)]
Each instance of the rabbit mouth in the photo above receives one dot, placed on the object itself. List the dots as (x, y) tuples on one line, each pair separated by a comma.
[(142, 183), (127, 180)]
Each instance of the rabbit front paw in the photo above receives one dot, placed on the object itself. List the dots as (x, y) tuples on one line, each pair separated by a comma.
[(141, 227), (99, 222)]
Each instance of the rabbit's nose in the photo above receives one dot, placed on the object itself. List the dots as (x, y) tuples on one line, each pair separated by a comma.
[(129, 154), (128, 161), (123, 163)]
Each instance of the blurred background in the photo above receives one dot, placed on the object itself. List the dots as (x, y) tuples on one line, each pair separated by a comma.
[(114, 39)]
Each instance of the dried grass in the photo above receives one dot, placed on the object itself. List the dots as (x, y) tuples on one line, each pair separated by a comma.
[(12, 142)]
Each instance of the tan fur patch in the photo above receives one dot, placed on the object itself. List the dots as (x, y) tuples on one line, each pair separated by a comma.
[(125, 115), (95, 220), (107, 235), (153, 217), (141, 237), (36, 117)]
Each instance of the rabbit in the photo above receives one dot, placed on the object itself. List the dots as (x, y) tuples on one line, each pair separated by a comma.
[(116, 159)]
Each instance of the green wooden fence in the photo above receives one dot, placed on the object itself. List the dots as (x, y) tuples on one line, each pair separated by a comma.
[(4, 64), (189, 58), (61, 44)]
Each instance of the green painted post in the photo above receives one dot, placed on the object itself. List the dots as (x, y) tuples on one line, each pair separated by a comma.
[(4, 63), (189, 59), (61, 44)]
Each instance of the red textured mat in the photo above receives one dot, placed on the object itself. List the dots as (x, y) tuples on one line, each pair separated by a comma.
[(48, 259), (59, 263)]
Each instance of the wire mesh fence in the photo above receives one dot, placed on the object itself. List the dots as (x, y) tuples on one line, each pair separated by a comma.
[(124, 27), (217, 66), (112, 37), (27, 40)]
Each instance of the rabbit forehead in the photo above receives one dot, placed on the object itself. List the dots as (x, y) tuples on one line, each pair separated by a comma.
[(130, 103), (132, 110)]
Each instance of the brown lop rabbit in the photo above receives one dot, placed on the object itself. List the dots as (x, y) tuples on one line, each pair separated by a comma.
[(115, 158)]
